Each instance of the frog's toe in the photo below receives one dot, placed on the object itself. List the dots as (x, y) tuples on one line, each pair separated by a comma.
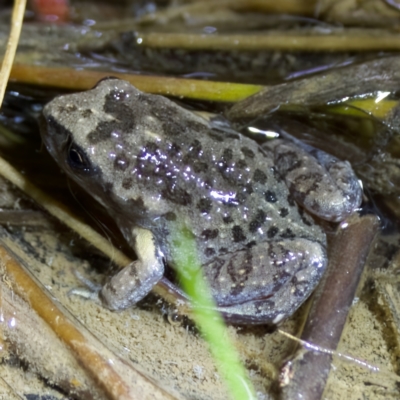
[(90, 291), (85, 293), (130, 285)]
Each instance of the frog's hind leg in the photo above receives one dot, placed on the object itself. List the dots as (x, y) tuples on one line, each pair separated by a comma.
[(268, 282), (136, 280), (324, 185)]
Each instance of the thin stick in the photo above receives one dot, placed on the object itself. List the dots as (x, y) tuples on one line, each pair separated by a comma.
[(332, 86), (16, 26), (330, 307), (117, 379), (70, 78), (275, 40)]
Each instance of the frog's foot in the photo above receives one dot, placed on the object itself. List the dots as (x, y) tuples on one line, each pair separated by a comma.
[(136, 280), (90, 291), (268, 282), (128, 286), (324, 185)]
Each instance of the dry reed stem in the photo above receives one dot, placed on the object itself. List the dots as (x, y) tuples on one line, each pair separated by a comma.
[(16, 26), (332, 300), (104, 368), (64, 329), (30, 338), (274, 40), (69, 78)]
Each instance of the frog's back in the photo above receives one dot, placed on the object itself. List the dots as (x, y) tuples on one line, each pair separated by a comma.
[(160, 163)]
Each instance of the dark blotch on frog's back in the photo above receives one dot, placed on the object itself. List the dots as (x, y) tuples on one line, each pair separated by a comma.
[(231, 171), (239, 272), (248, 153), (270, 196), (133, 206), (241, 197), (147, 161), (193, 157), (238, 234), (258, 221), (241, 164), (272, 232), (209, 234), (205, 205), (87, 113), (149, 148), (227, 219), (171, 125), (174, 150), (248, 188), (307, 219), (227, 154), (176, 195), (124, 121), (67, 109), (316, 179), (260, 177), (195, 148), (283, 212), (209, 252), (199, 166), (288, 161), (287, 234), (251, 244), (121, 163), (102, 132), (127, 183), (150, 164)]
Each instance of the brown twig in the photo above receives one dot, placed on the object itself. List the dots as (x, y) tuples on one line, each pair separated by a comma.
[(330, 307), (29, 337), (335, 85), (117, 379)]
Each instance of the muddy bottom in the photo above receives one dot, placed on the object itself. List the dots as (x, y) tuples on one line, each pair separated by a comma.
[(174, 355)]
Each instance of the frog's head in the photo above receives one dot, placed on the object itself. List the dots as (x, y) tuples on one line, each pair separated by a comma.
[(99, 136), (86, 134)]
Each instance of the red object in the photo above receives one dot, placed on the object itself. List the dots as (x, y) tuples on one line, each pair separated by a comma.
[(51, 10)]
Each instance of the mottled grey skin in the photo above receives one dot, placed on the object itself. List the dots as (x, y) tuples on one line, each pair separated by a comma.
[(155, 165)]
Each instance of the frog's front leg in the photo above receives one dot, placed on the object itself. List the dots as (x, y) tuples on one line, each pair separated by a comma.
[(324, 185), (137, 279)]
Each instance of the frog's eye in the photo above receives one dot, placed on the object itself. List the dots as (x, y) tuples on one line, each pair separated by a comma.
[(77, 158)]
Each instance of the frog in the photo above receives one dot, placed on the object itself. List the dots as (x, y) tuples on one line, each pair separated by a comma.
[(250, 209)]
